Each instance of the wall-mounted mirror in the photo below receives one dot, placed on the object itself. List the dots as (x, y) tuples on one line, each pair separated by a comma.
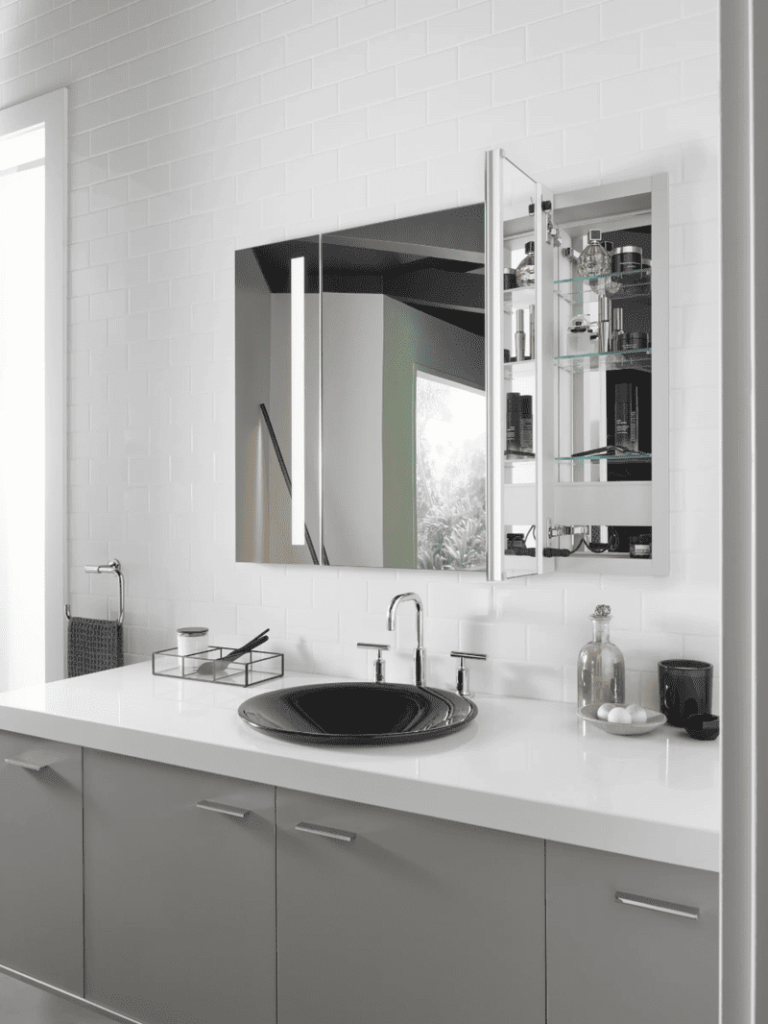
[(404, 415), (392, 393), (277, 368), (414, 394)]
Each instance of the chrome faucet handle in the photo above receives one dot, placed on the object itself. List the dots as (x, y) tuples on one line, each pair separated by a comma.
[(378, 665), (462, 677)]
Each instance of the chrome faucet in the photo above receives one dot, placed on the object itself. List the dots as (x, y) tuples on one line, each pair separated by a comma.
[(420, 655)]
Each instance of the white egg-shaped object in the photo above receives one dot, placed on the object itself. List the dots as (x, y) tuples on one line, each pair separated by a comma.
[(638, 713), (604, 710), (620, 715)]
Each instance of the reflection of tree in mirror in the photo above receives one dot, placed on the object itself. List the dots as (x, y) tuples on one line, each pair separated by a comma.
[(450, 475)]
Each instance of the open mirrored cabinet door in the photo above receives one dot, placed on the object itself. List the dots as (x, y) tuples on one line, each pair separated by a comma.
[(518, 337), (403, 393), (277, 366)]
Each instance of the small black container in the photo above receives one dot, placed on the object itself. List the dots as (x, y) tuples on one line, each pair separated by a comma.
[(685, 689), (703, 727), (626, 258)]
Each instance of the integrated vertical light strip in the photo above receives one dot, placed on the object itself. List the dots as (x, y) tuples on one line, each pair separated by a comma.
[(494, 361), (297, 402)]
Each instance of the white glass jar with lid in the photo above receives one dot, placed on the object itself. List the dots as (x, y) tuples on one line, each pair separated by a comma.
[(191, 640), (600, 670)]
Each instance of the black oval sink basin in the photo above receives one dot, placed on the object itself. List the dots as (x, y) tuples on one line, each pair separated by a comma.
[(358, 713)]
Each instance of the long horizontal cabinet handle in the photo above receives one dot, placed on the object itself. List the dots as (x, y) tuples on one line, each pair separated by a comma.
[(328, 833), (227, 809), (664, 907), (19, 762)]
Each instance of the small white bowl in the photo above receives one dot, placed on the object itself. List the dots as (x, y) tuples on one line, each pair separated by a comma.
[(589, 714)]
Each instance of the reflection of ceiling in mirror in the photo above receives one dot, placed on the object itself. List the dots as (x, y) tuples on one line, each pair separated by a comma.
[(433, 262)]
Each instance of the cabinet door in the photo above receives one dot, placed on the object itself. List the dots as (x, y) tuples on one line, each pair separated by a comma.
[(179, 899), (413, 921), (41, 860), (614, 961)]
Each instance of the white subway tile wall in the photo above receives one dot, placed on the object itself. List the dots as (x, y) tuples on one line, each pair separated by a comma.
[(202, 127)]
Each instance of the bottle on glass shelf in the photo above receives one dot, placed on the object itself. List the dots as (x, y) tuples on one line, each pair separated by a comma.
[(526, 424), (525, 275), (594, 260), (618, 338), (604, 327), (609, 285), (622, 413), (531, 332), (519, 349), (601, 664)]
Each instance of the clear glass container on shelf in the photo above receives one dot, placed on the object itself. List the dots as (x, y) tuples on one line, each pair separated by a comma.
[(525, 275), (594, 260), (600, 668)]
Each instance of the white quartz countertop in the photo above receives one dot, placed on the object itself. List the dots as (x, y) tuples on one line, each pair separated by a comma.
[(524, 766)]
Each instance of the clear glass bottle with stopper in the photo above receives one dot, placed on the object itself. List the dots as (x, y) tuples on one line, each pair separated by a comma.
[(594, 260), (601, 664), (525, 275)]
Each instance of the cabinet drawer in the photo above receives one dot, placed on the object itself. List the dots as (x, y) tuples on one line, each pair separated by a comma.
[(41, 860), (179, 893), (650, 954), (394, 918)]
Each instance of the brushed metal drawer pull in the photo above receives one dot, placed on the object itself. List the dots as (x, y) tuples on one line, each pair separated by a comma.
[(329, 833), (19, 762), (231, 812), (678, 909)]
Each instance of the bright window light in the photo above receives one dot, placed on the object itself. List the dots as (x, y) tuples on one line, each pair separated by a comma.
[(450, 474), (20, 148), (22, 410)]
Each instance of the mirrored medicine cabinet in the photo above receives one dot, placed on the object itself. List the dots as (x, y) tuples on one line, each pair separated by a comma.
[(453, 391)]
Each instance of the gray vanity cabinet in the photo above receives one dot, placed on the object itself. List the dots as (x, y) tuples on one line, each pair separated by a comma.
[(179, 897), (41, 847), (388, 917), (632, 961)]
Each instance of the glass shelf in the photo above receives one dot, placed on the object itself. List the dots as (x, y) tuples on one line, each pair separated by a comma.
[(519, 298), (525, 368), (624, 457), (512, 457), (628, 284), (580, 362)]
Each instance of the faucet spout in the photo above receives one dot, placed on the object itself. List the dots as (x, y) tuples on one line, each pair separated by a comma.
[(420, 655)]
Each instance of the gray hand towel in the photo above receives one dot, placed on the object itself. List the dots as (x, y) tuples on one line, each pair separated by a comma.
[(94, 645)]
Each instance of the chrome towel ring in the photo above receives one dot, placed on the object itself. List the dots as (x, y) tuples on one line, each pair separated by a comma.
[(112, 567)]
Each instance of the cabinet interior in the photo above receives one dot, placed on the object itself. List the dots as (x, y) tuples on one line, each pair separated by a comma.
[(595, 498)]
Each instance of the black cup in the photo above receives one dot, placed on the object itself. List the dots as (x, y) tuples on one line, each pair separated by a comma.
[(685, 688)]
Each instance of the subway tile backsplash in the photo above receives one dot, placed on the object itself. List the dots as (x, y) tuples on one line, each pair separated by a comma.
[(201, 127)]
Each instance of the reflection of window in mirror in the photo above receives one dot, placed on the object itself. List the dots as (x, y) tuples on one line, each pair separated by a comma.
[(450, 474)]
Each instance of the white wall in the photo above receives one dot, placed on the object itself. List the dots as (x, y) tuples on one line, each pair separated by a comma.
[(198, 128)]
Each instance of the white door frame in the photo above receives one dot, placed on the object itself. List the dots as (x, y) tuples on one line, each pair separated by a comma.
[(744, 879), (51, 111)]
